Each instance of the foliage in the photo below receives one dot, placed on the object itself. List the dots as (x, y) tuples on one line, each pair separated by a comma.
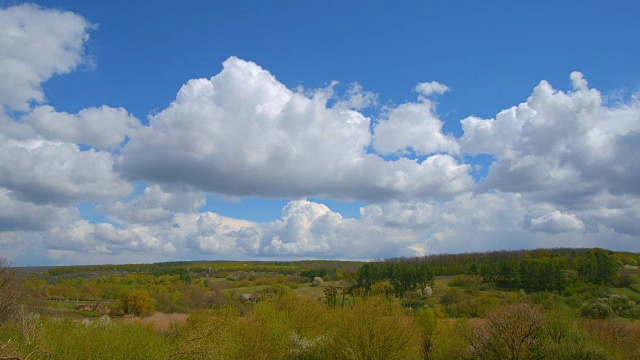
[(464, 303), (331, 295), (550, 270), (375, 328), (44, 338), (427, 321), (381, 310), (611, 305), (139, 303), (403, 276)]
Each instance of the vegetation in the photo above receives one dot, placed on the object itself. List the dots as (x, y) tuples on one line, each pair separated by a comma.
[(539, 304), (10, 294)]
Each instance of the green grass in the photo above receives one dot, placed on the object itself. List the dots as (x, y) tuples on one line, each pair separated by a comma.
[(632, 295), (315, 292), (247, 289)]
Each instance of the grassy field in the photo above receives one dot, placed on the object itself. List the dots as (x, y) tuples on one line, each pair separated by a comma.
[(315, 292)]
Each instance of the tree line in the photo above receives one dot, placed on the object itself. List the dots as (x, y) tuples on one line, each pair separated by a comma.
[(530, 270)]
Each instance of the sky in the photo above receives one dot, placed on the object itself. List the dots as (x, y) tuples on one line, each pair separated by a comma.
[(138, 131)]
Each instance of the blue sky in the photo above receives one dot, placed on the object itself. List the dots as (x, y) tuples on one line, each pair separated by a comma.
[(265, 157)]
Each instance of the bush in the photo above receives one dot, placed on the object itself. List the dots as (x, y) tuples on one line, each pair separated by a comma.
[(624, 280), (459, 303), (91, 340), (597, 309), (512, 332), (375, 328)]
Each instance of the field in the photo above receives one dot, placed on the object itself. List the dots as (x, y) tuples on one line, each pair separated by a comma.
[(575, 303)]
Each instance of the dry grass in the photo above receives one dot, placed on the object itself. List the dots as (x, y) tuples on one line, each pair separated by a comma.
[(160, 321)]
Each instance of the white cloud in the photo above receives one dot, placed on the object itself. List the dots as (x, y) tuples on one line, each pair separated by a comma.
[(413, 126), (357, 98), (555, 222), (36, 43), (400, 214), (155, 204), (305, 229), (47, 172), (103, 238), (103, 128), (213, 234), (243, 133), (565, 172), (309, 229), (21, 215), (560, 147), (430, 88)]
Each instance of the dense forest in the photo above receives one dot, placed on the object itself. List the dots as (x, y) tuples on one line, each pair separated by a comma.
[(525, 304)]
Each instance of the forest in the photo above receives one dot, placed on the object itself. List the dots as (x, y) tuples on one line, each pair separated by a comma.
[(526, 304)]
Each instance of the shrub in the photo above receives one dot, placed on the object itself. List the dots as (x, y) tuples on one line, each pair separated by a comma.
[(597, 309), (374, 328), (512, 332)]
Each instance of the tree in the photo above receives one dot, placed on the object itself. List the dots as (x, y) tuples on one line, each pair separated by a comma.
[(512, 332), (140, 303), (10, 294), (383, 288), (600, 268), (427, 320), (331, 295)]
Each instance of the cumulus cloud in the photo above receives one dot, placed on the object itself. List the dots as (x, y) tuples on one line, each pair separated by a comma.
[(413, 126), (356, 98), (564, 172), (243, 133), (430, 88), (559, 146), (215, 234), (463, 224), (305, 229), (43, 170), (555, 222), (400, 214), (48, 172), (37, 43), (103, 238), (155, 204), (103, 128), (21, 215)]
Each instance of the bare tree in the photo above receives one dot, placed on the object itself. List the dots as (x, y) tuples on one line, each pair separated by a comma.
[(512, 332), (13, 307), (10, 294)]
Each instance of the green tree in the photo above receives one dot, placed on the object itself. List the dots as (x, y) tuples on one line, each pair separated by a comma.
[(331, 295)]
